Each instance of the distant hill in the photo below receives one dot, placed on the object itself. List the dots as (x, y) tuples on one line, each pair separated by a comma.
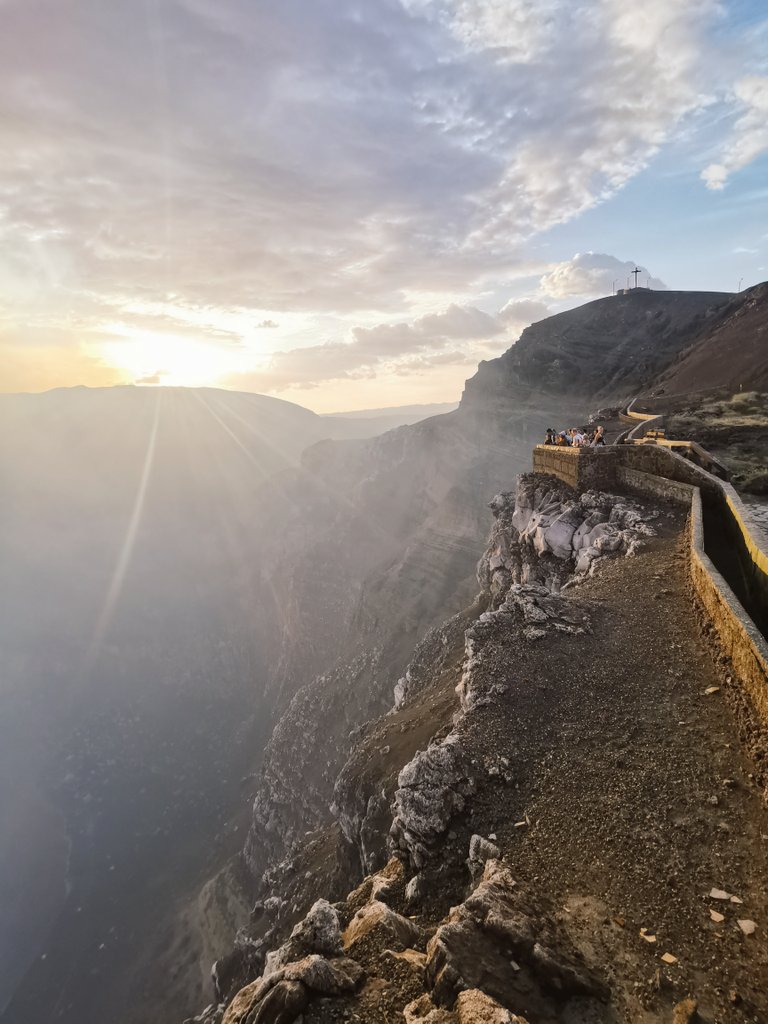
[(406, 413)]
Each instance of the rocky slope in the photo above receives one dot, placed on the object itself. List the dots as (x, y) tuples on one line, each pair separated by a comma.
[(730, 356), (573, 833), (359, 585), (601, 351)]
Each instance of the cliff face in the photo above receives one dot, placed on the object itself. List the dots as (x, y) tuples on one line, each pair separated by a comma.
[(361, 584), (521, 786)]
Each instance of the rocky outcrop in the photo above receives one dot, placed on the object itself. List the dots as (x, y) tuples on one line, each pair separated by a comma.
[(280, 998), (318, 932), (543, 533), (377, 921), (543, 537), (500, 950), (499, 953), (431, 789), (365, 786), (503, 941)]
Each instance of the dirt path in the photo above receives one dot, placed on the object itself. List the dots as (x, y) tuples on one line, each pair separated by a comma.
[(616, 789), (639, 799)]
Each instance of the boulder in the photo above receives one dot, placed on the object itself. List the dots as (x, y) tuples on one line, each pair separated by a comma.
[(505, 943), (431, 789), (318, 932), (326, 977), (475, 1007), (389, 928), (424, 1011), (416, 890), (411, 959), (281, 1005), (297, 983), (386, 882), (480, 851)]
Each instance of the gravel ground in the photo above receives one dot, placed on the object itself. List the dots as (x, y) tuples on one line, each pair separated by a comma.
[(639, 798), (620, 795)]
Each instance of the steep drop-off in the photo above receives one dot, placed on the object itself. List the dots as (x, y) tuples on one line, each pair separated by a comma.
[(576, 836), (606, 349)]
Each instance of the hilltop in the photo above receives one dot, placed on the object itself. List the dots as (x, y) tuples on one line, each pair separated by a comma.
[(602, 351)]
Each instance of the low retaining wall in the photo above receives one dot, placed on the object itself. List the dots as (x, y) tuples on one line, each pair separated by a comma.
[(631, 466), (654, 486), (645, 421), (739, 637), (660, 461)]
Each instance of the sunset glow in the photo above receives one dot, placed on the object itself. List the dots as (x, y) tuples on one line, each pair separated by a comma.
[(375, 204)]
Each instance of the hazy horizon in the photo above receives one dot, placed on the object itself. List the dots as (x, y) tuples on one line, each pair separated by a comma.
[(383, 410)]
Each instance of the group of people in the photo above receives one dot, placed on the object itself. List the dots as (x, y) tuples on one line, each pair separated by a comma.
[(576, 438)]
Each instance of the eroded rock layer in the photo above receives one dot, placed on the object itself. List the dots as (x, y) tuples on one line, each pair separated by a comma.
[(523, 883)]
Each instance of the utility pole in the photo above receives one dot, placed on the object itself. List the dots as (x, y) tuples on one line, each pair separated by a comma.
[(636, 271), (740, 280), (614, 286)]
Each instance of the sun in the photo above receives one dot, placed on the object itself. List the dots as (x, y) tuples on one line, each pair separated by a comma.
[(166, 358)]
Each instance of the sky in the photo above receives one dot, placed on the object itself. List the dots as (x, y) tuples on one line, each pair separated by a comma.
[(349, 203)]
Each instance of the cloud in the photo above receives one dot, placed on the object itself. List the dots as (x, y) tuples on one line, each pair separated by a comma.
[(592, 274), (403, 347), (428, 331), (522, 312), (458, 335), (299, 156), (750, 135), (264, 163)]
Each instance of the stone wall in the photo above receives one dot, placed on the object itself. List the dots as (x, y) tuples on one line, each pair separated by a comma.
[(660, 461), (583, 469), (636, 481), (739, 638)]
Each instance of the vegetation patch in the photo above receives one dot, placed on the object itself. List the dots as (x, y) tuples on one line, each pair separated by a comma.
[(735, 430)]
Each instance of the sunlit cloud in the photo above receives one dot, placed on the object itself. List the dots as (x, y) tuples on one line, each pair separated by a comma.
[(592, 274), (749, 138), (237, 185)]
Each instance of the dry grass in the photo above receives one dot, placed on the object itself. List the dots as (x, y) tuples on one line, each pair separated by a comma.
[(735, 430)]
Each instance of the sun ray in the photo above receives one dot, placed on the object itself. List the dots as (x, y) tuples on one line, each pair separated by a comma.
[(126, 549)]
